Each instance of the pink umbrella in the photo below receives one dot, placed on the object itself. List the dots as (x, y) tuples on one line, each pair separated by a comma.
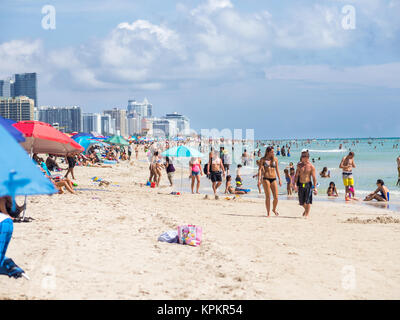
[(41, 137)]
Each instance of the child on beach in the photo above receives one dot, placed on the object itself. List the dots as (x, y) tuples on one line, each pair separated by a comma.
[(230, 189), (238, 177), (292, 174), (288, 182), (258, 180), (332, 192)]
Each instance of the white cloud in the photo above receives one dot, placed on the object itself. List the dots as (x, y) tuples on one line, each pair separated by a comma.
[(20, 56), (383, 75)]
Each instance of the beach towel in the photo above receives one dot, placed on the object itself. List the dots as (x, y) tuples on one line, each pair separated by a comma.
[(6, 230), (7, 265), (190, 234), (170, 236)]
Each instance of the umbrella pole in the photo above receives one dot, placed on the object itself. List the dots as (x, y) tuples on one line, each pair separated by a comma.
[(181, 177), (23, 215)]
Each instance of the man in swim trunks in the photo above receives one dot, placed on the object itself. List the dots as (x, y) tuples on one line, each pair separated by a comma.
[(216, 169), (304, 173), (347, 164)]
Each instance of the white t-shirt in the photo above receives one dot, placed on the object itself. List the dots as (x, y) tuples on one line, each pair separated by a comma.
[(3, 217)]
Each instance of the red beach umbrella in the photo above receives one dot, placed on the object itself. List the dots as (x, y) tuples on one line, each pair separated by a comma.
[(41, 137)]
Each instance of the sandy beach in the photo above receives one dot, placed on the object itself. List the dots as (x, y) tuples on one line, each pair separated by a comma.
[(102, 244)]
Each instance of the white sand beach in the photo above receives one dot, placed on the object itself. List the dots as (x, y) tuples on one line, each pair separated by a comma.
[(102, 244)]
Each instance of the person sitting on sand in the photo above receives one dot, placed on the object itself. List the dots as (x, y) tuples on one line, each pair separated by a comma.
[(325, 173), (332, 191), (59, 183), (380, 194), (230, 189), (52, 164), (6, 207)]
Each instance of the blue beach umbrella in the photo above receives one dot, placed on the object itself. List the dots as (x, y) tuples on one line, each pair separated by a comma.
[(15, 133), (182, 152), (18, 174)]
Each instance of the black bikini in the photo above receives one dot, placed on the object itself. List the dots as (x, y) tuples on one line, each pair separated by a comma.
[(271, 180)]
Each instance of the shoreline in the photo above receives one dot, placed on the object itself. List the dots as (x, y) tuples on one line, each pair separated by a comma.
[(103, 245)]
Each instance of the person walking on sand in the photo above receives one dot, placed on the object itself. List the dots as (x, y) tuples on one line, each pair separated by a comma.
[(268, 171), (195, 172), (347, 164), (71, 160), (304, 173), (216, 169)]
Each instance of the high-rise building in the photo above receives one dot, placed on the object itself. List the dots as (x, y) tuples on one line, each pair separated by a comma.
[(143, 109), (17, 109), (69, 119), (163, 127), (107, 125), (134, 125), (24, 84), (120, 120), (182, 122), (91, 122), (7, 88)]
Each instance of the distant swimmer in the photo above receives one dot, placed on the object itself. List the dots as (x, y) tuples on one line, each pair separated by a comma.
[(347, 164), (398, 171)]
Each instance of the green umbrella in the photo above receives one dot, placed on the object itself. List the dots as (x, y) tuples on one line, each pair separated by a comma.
[(117, 140)]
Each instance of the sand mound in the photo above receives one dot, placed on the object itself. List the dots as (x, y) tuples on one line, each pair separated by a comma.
[(384, 220)]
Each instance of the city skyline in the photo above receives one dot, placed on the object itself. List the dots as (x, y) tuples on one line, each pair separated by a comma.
[(293, 70)]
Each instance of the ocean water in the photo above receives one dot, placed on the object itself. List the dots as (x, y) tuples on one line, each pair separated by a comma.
[(374, 158)]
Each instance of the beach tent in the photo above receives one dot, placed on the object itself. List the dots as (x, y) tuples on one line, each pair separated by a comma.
[(182, 152), (15, 133), (18, 173), (41, 137), (117, 140)]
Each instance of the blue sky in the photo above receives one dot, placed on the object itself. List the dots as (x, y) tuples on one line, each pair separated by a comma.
[(287, 69)]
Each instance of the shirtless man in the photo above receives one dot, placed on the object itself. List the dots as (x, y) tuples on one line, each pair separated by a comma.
[(216, 169), (347, 164), (305, 171), (398, 170)]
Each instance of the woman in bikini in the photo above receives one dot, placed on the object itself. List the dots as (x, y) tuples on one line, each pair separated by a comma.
[(267, 173), (195, 172)]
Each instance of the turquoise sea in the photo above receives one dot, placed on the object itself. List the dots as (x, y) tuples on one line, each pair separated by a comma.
[(375, 158)]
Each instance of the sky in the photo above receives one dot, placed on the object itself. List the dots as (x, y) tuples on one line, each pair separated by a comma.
[(286, 69)]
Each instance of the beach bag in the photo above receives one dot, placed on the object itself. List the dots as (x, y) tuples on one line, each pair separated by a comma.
[(190, 235), (170, 236)]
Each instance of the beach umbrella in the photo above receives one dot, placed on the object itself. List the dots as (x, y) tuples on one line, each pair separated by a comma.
[(41, 137), (18, 173), (8, 125), (82, 134), (117, 140), (182, 152)]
